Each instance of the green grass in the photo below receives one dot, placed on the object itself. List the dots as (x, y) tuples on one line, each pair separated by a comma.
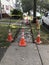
[(4, 35), (44, 35), (4, 31), (9, 20), (4, 44)]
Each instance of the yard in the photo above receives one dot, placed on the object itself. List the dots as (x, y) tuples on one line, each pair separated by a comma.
[(4, 30)]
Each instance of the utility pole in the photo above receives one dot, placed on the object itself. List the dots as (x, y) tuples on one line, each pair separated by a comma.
[(0, 10), (34, 14)]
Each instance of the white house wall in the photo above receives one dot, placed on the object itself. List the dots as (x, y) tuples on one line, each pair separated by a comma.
[(12, 3), (5, 3), (8, 4)]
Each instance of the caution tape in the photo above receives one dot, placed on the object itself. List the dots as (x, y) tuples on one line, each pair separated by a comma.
[(15, 15)]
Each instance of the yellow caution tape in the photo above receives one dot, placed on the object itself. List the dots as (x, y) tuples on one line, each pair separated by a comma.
[(15, 15)]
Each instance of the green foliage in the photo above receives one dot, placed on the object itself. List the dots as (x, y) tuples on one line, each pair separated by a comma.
[(16, 14), (27, 5), (43, 4)]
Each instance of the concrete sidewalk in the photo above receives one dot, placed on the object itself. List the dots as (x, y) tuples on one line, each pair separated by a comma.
[(44, 52), (16, 55)]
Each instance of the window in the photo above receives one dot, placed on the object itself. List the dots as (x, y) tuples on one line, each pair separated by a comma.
[(7, 7), (2, 6)]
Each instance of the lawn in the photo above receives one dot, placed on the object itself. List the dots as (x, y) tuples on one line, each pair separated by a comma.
[(9, 20), (4, 31)]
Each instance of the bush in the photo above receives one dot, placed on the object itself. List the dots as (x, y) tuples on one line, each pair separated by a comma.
[(17, 14)]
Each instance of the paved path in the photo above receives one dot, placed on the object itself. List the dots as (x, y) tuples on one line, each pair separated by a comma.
[(16, 55), (44, 52)]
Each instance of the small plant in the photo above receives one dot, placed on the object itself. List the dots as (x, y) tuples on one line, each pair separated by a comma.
[(16, 14)]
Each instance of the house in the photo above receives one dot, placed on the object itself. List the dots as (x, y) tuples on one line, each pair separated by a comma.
[(6, 7)]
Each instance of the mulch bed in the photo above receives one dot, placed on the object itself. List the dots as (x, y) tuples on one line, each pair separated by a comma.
[(44, 42)]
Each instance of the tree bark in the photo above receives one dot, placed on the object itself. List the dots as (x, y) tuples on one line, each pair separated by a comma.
[(34, 12)]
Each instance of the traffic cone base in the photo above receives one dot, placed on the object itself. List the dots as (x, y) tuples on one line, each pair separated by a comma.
[(9, 38), (38, 42), (22, 42)]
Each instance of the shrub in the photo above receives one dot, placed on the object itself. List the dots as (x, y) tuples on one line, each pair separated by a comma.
[(16, 14)]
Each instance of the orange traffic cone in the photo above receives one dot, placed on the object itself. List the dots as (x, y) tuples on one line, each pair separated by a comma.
[(10, 38), (22, 40), (38, 41)]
